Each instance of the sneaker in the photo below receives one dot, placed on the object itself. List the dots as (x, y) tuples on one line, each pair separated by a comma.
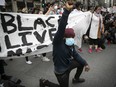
[(90, 50), (97, 50), (15, 80), (18, 81), (109, 42), (29, 62), (6, 77), (45, 59), (80, 80), (43, 83), (37, 55), (80, 50), (100, 49)]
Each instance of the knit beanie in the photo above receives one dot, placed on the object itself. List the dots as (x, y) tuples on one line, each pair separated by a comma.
[(69, 32)]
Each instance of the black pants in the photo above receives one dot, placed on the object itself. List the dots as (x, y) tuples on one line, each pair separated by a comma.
[(1, 67), (93, 41), (26, 58), (63, 79), (43, 54)]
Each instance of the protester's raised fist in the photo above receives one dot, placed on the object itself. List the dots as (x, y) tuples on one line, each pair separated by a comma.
[(69, 5)]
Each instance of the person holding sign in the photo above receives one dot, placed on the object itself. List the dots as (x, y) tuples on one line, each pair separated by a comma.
[(65, 57)]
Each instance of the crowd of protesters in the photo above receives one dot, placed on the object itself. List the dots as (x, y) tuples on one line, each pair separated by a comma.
[(110, 27), (106, 34)]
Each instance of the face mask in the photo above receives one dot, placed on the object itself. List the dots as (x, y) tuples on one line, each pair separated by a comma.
[(69, 41)]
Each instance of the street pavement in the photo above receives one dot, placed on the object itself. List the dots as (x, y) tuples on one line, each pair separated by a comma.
[(102, 73)]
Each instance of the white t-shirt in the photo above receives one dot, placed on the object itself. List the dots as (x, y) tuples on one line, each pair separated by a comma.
[(76, 11), (95, 25)]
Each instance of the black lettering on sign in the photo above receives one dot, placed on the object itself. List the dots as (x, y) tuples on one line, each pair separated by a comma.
[(7, 23), (8, 44), (49, 24), (40, 22), (12, 53), (24, 40), (51, 34), (42, 46), (20, 25), (40, 38)]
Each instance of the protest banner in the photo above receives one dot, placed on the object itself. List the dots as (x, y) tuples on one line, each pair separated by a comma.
[(29, 34)]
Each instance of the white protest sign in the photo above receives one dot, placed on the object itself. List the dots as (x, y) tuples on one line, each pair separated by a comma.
[(25, 33), (29, 34)]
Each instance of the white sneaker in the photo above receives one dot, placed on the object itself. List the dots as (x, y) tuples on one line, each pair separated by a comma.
[(45, 59), (37, 55), (29, 62)]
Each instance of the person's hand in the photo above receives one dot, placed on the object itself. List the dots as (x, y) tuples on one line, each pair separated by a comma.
[(51, 8), (87, 68), (69, 5)]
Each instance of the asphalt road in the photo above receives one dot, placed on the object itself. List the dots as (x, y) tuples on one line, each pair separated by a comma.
[(102, 73)]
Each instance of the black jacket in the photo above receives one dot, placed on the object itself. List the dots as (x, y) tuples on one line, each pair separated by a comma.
[(61, 52)]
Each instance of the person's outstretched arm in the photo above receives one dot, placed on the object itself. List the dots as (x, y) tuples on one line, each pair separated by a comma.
[(62, 24)]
